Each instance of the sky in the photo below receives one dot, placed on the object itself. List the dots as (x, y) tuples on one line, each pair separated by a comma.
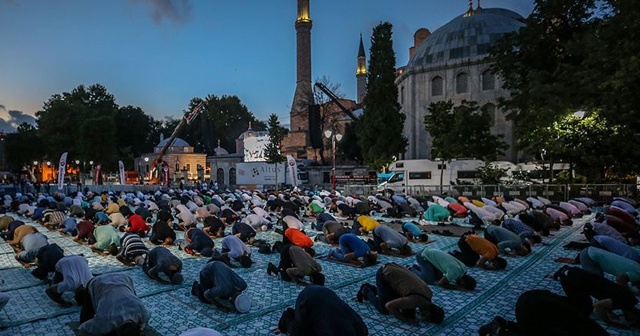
[(158, 54)]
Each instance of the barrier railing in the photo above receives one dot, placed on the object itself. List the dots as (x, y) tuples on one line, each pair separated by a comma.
[(602, 193)]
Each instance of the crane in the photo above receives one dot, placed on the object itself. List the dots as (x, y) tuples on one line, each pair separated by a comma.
[(336, 100), (186, 120)]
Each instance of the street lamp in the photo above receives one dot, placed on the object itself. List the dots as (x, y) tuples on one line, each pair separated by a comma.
[(334, 137)]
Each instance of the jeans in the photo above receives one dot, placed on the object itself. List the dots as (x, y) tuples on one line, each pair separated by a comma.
[(426, 271), (340, 252)]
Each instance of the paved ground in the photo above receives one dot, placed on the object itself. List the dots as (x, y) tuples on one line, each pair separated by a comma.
[(174, 310)]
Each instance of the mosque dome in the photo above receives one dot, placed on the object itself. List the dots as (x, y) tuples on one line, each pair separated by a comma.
[(177, 142), (219, 151), (468, 36)]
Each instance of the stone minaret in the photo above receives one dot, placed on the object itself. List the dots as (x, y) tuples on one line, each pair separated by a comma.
[(361, 73), (298, 139)]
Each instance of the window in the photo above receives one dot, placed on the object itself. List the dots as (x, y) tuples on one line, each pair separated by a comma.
[(220, 176), (420, 175), (462, 83), (188, 167), (467, 174), (488, 81), (232, 176), (437, 86), (402, 95), (396, 178), (490, 109)]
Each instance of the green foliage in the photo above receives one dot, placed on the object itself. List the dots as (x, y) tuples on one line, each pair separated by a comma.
[(97, 140), (380, 129), (64, 114), (576, 55), (349, 146), (461, 131), (223, 118), (490, 174), (277, 133), (20, 147)]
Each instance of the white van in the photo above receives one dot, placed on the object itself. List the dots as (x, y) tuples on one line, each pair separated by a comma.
[(409, 173)]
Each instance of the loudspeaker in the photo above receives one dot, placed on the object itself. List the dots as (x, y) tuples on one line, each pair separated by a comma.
[(315, 133)]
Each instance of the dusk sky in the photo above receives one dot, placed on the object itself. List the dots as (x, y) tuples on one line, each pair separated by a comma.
[(158, 54)]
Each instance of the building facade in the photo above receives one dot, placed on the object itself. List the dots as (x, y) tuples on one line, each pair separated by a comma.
[(181, 160), (451, 64)]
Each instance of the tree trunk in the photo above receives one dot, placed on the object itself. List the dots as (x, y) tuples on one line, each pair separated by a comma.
[(276, 165)]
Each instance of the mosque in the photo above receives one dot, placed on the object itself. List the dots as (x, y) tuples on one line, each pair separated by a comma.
[(451, 64)]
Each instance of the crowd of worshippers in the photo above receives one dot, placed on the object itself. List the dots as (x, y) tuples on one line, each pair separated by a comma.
[(120, 225)]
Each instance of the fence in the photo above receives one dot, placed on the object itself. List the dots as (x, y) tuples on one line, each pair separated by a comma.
[(602, 193)]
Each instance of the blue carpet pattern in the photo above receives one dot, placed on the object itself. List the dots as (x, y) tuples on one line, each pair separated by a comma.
[(174, 310)]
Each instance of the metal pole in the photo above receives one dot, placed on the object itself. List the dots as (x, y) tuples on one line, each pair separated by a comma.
[(333, 170)]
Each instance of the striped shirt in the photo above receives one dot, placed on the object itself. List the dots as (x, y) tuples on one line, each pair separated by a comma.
[(132, 246)]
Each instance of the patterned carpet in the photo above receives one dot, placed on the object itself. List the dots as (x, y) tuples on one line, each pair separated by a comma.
[(31, 312)]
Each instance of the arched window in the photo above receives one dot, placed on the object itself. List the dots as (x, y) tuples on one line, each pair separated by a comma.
[(232, 176), (491, 110), (462, 83), (488, 81), (402, 94), (437, 86), (220, 176)]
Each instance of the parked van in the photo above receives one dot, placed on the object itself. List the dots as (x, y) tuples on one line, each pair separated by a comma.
[(408, 173)]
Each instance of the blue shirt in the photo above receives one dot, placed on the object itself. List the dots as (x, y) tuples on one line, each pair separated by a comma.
[(518, 227), (614, 246), (414, 229), (625, 206), (351, 243)]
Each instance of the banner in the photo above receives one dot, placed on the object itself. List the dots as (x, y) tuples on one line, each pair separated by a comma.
[(123, 179), (96, 177), (62, 168), (293, 170)]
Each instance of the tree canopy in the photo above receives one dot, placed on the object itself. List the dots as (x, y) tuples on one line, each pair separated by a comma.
[(380, 130), (575, 55)]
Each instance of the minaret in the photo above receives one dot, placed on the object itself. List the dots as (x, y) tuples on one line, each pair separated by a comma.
[(361, 73), (299, 135)]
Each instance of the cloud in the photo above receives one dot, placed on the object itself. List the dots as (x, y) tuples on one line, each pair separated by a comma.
[(16, 118), (178, 11)]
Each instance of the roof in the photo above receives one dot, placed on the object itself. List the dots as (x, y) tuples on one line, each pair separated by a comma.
[(466, 36), (177, 142)]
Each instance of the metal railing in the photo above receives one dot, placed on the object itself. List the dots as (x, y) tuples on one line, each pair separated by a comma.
[(602, 193)]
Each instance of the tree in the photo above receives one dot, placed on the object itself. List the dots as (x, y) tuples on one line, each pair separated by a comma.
[(97, 140), (349, 146), (20, 149), (63, 114), (490, 174), (461, 131), (330, 112), (133, 127), (273, 149), (223, 118), (380, 129)]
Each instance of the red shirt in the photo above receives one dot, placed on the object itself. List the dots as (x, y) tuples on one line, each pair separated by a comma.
[(298, 238), (137, 224)]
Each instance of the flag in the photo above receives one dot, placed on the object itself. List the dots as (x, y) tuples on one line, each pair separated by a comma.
[(62, 168), (96, 179), (293, 170), (123, 180)]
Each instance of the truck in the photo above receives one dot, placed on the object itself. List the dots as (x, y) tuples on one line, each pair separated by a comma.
[(257, 175), (413, 173)]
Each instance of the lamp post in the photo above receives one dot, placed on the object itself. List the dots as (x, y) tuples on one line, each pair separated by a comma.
[(334, 137), (146, 163)]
